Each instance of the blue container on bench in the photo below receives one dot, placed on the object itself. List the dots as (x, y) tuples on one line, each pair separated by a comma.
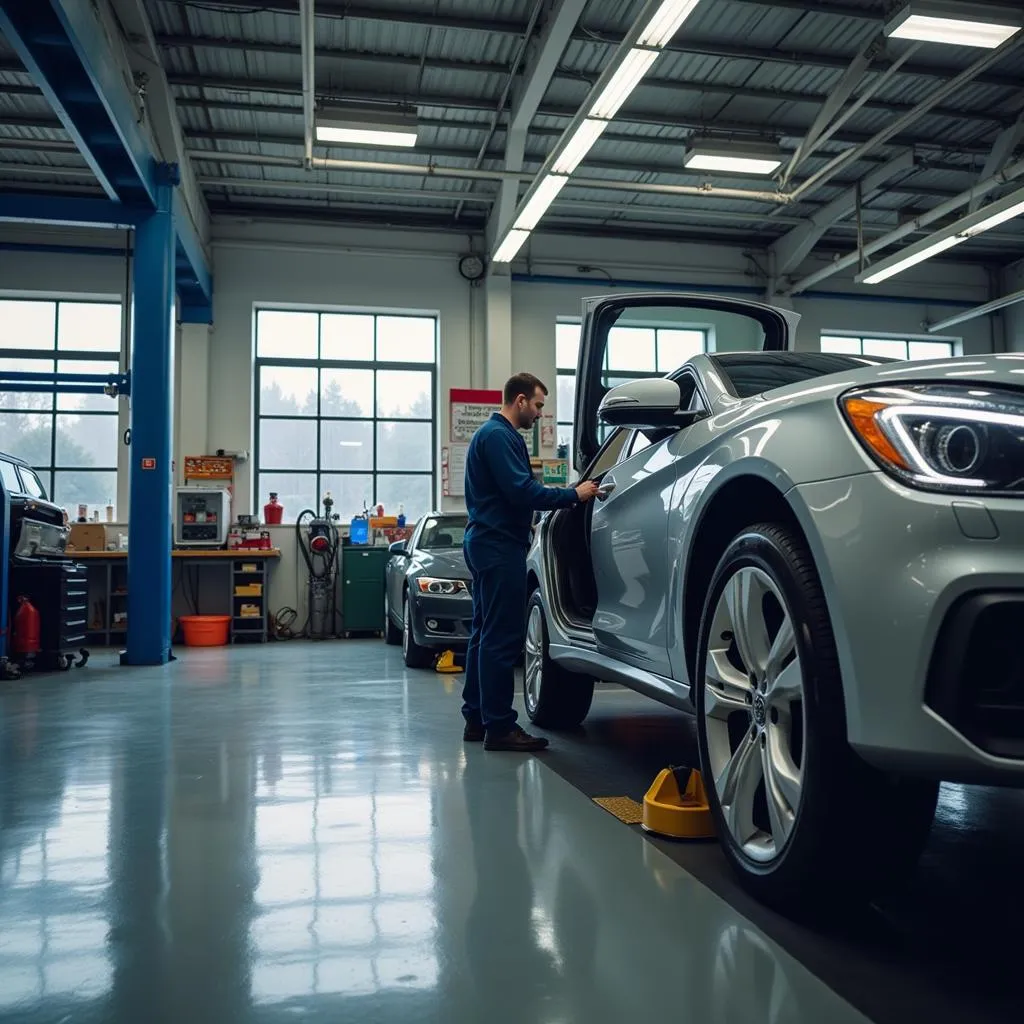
[(359, 530)]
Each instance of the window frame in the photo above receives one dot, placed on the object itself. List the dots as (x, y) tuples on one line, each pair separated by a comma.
[(955, 345), (318, 365), (55, 355), (705, 329)]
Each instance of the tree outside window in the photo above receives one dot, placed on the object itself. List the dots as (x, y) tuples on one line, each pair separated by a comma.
[(70, 440), (345, 403)]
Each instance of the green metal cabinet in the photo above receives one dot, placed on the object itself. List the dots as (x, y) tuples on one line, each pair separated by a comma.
[(362, 588)]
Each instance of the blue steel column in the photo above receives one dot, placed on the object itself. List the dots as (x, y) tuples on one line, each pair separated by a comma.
[(151, 479)]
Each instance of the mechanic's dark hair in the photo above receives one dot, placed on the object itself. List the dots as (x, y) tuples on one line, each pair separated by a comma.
[(522, 384)]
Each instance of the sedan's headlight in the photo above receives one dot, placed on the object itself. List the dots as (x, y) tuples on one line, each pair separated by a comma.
[(443, 588), (942, 437)]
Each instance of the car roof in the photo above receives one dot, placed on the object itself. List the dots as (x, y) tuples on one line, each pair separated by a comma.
[(14, 458)]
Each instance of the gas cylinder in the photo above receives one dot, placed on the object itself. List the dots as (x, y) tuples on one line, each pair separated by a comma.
[(25, 628)]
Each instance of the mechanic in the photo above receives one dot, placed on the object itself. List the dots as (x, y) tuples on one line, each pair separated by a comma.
[(501, 497)]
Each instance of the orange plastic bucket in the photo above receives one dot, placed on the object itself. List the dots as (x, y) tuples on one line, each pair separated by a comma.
[(205, 630)]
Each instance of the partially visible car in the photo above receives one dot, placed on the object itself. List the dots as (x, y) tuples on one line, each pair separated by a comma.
[(817, 555), (38, 527), (428, 599)]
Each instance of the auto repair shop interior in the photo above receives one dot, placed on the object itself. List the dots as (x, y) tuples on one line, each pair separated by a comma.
[(265, 266)]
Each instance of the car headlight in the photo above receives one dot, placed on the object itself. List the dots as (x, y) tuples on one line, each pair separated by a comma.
[(444, 588), (942, 437)]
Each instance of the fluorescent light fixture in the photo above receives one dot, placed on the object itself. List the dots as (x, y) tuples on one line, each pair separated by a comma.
[(665, 23), (627, 76), (366, 128), (578, 145), (910, 260), (995, 220), (537, 205), (513, 242), (950, 21), (733, 157), (966, 227)]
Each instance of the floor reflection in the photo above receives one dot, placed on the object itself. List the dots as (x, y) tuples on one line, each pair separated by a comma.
[(277, 834)]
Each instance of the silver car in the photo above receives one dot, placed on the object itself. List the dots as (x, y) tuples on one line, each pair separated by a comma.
[(820, 557)]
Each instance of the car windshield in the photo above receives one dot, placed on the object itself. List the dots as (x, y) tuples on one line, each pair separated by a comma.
[(753, 373), (33, 485), (443, 532)]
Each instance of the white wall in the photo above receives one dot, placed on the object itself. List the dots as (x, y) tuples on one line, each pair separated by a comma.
[(329, 267)]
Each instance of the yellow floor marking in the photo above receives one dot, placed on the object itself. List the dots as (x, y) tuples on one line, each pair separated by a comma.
[(626, 810)]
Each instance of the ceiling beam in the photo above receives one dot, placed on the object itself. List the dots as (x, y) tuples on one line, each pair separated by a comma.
[(1002, 150), (566, 74), (560, 19), (628, 115), (795, 246)]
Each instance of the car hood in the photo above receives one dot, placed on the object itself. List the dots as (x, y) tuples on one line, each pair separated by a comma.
[(445, 564)]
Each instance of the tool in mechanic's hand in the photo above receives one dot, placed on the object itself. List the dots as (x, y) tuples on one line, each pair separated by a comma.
[(605, 489)]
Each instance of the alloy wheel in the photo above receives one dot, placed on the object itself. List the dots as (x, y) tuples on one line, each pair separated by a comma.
[(753, 713), (534, 668)]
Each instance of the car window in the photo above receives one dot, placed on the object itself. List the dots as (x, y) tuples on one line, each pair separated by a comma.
[(443, 532), (753, 373), (9, 474), (610, 454), (31, 483)]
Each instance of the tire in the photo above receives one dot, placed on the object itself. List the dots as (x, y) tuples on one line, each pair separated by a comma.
[(392, 634), (555, 698), (841, 832), (415, 655)]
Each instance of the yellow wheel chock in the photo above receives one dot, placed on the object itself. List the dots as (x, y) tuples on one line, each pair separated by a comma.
[(676, 806), (446, 662)]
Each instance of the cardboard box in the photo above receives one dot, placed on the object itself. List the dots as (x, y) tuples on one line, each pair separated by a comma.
[(88, 537)]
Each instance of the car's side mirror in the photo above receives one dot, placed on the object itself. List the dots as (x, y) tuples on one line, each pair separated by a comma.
[(652, 402), (399, 549)]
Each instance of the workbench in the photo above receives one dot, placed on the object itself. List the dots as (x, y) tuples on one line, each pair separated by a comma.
[(108, 589)]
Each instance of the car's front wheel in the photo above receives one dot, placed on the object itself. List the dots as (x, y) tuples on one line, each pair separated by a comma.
[(555, 698), (415, 655), (803, 820)]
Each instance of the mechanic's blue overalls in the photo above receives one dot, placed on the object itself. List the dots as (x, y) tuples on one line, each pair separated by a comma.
[(501, 497)]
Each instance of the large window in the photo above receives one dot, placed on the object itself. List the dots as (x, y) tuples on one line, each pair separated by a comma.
[(345, 403), (632, 352), (892, 348), (71, 440)]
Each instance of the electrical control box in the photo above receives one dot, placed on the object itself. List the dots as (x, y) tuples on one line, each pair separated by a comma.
[(201, 517)]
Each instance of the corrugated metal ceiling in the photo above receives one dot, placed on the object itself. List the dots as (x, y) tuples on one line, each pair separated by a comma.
[(746, 68)]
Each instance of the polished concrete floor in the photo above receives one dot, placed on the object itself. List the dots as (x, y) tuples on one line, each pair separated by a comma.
[(297, 832)]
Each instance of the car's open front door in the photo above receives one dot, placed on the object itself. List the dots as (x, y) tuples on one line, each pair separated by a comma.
[(670, 321)]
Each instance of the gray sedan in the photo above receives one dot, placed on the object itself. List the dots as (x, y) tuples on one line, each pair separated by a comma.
[(428, 600), (819, 556)]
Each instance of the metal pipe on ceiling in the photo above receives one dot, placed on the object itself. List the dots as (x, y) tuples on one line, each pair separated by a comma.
[(1011, 173), (308, 30)]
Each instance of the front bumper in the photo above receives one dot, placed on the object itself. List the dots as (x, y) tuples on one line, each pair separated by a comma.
[(441, 621), (927, 603)]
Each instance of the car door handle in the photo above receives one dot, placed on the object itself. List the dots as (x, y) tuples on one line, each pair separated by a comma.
[(605, 489)]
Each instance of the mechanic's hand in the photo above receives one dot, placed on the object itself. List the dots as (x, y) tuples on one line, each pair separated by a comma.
[(587, 490)]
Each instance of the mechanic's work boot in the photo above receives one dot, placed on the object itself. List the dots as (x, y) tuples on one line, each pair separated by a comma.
[(516, 740), (474, 732)]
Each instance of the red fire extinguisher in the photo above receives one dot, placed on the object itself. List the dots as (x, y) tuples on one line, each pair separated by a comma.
[(25, 629)]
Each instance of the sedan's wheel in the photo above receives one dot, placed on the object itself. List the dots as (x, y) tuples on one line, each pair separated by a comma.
[(392, 634), (785, 788), (555, 698), (757, 771), (415, 655)]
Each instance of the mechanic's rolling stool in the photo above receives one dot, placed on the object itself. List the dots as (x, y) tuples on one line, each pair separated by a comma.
[(676, 806), (446, 662)]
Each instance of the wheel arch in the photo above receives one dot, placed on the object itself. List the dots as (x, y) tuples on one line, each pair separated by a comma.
[(739, 502)]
